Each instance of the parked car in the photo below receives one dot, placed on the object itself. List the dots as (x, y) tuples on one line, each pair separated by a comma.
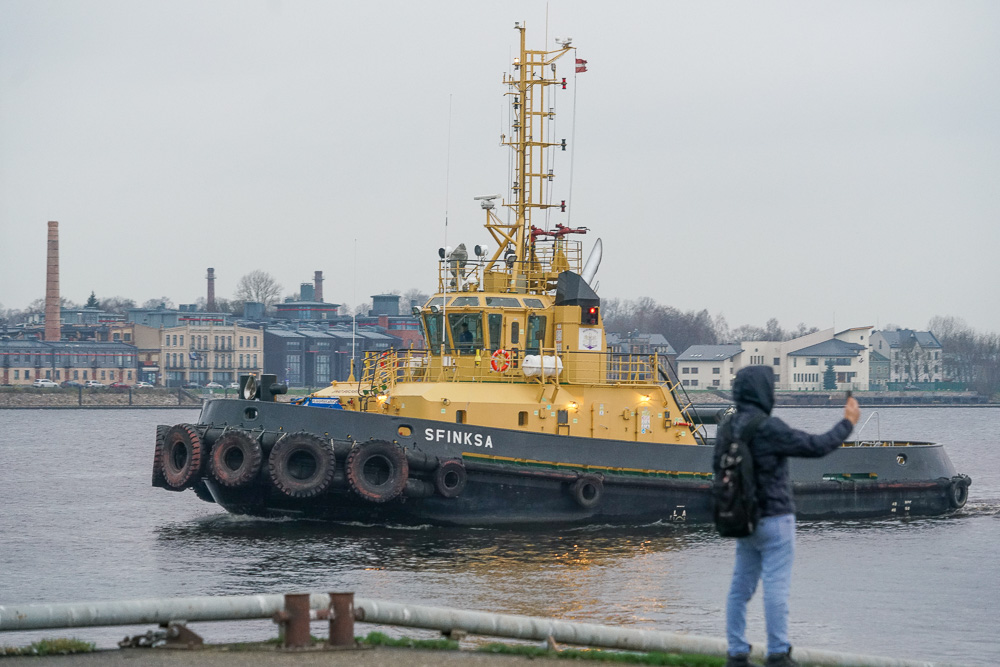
[(43, 382), (94, 384), (233, 385), (70, 384), (143, 385), (213, 385), (191, 385), (119, 385)]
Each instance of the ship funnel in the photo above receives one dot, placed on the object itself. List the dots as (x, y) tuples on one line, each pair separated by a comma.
[(593, 262)]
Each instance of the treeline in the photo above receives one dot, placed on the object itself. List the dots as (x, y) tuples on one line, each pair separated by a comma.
[(968, 356), (684, 329)]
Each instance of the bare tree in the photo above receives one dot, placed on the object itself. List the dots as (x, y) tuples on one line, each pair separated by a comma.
[(116, 304), (258, 286), (153, 304), (413, 296)]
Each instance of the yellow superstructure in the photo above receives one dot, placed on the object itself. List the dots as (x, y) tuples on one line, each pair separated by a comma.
[(514, 334)]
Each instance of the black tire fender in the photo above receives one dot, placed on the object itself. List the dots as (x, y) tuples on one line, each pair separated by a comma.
[(236, 459), (301, 465), (958, 492), (587, 491), (450, 478), (181, 455), (377, 470), (158, 479)]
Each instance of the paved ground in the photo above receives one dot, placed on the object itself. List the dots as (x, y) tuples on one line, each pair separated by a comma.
[(374, 657)]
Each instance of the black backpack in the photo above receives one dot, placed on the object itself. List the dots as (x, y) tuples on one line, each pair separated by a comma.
[(734, 487)]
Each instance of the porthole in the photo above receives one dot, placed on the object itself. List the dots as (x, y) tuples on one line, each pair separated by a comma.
[(901, 459), (250, 414), (404, 431)]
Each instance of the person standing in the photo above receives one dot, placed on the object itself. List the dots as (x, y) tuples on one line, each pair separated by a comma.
[(767, 554)]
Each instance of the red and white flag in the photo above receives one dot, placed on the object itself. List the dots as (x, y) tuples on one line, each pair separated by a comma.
[(581, 65)]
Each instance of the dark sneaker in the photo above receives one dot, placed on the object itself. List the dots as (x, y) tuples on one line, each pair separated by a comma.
[(741, 660), (781, 660)]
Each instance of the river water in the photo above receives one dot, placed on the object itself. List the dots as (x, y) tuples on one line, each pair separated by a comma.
[(80, 522)]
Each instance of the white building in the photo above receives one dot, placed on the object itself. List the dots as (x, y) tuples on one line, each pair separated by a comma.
[(708, 366), (914, 356), (798, 364)]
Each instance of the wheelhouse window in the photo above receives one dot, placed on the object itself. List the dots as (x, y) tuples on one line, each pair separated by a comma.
[(432, 327), (534, 303), (536, 332), (466, 331), (495, 322), (465, 301), (502, 302)]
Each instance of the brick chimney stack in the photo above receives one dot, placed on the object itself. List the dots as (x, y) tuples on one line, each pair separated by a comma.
[(318, 286), (210, 305), (52, 312)]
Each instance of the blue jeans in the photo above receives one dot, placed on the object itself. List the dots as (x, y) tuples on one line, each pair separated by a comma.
[(767, 555)]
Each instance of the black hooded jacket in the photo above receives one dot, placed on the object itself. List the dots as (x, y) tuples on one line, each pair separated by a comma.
[(775, 441)]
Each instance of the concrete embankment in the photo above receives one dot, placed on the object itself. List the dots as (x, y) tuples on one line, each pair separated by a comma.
[(75, 398)]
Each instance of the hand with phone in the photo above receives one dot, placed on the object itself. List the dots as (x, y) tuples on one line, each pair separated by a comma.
[(852, 411)]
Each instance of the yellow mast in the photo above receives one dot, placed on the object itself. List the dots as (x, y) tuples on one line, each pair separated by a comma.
[(533, 72)]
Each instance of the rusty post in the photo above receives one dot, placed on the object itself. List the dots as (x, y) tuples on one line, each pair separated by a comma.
[(342, 619), (297, 620)]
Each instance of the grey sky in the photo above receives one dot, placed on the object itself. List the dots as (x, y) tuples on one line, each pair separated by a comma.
[(806, 161)]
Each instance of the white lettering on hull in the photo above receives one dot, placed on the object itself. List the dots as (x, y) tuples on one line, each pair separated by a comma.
[(458, 437)]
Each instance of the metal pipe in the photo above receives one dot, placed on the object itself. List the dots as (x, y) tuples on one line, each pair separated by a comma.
[(135, 612)]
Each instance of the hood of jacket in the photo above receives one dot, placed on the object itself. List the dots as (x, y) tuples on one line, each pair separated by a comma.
[(754, 385)]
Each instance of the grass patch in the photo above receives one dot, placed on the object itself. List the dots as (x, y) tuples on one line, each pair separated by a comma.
[(382, 639), (49, 647), (653, 658)]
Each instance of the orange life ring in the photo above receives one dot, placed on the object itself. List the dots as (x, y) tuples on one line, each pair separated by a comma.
[(500, 361)]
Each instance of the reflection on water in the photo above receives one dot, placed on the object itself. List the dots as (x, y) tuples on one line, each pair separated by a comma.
[(552, 571)]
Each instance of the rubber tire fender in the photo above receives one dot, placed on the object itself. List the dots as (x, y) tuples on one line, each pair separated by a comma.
[(587, 491), (301, 465), (377, 470), (158, 478), (958, 492), (181, 455), (239, 448), (450, 478)]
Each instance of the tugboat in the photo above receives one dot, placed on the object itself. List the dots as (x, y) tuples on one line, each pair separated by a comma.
[(516, 413)]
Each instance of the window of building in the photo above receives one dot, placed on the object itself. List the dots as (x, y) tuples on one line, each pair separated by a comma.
[(812, 361), (716, 370), (17, 375), (241, 341), (716, 383), (694, 370), (777, 361), (694, 383), (255, 344)]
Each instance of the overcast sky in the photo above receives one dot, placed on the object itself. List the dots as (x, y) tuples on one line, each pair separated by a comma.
[(836, 164)]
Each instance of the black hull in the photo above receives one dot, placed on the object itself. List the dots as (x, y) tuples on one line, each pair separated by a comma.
[(517, 478)]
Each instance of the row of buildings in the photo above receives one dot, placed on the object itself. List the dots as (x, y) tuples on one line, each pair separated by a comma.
[(308, 344), (857, 359)]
